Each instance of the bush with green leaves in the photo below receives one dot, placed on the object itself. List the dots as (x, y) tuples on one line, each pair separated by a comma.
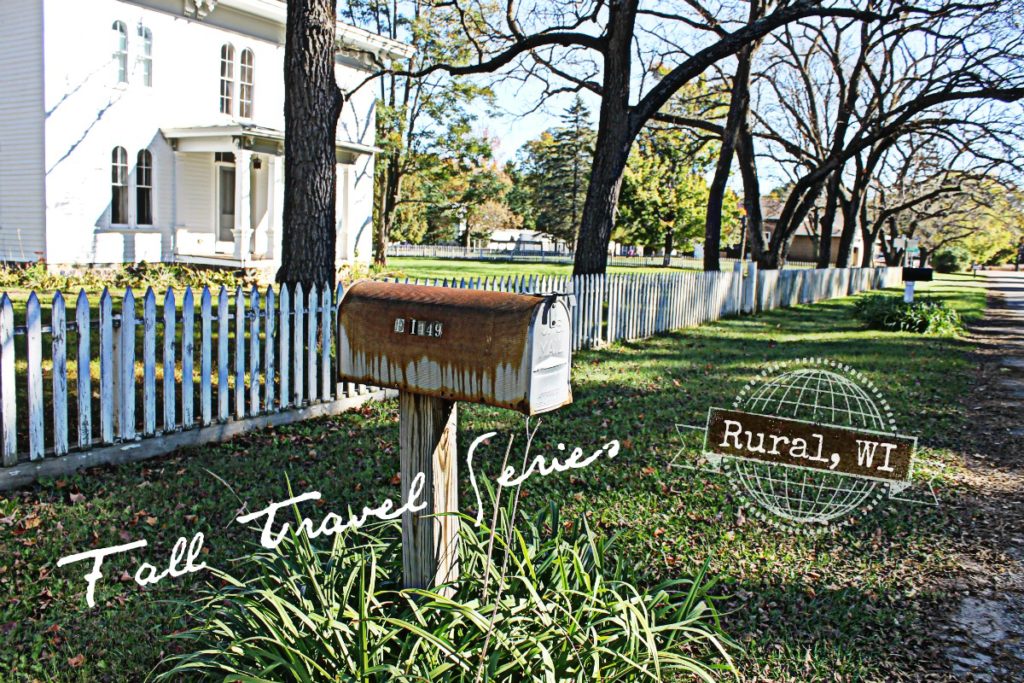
[(542, 600), (923, 315), (951, 260)]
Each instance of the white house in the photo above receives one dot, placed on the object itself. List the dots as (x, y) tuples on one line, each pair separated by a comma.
[(153, 130)]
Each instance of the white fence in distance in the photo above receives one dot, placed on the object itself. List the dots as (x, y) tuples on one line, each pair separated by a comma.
[(527, 255), (167, 372)]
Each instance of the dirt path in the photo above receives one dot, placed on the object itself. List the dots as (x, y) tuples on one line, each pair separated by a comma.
[(985, 632)]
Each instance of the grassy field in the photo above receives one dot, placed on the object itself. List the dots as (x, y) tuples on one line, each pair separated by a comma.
[(848, 605)]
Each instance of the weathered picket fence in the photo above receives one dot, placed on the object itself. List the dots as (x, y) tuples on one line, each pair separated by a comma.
[(527, 255), (137, 379)]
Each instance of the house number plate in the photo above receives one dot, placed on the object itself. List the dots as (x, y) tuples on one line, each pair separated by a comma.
[(419, 328)]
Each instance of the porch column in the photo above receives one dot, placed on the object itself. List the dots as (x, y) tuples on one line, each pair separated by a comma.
[(263, 238), (243, 199)]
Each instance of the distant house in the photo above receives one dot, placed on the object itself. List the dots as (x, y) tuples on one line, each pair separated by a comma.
[(518, 239), (153, 130), (805, 242)]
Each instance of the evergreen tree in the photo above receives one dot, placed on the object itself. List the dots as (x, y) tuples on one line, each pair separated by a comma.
[(553, 174)]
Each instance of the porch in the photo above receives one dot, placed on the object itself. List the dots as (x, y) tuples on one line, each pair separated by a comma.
[(230, 193)]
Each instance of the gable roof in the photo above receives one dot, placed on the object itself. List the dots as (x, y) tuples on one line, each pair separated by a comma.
[(348, 36)]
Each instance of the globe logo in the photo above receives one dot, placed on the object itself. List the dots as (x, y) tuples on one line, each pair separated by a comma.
[(816, 391)]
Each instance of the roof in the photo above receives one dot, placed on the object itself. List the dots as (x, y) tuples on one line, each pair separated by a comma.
[(255, 133), (348, 36)]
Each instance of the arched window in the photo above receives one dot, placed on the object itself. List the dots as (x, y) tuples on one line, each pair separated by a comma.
[(119, 186), (245, 82), (144, 188), (146, 36), (121, 51), (227, 78)]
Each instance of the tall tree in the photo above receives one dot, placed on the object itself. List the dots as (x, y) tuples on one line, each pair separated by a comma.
[(312, 105), (553, 171), (945, 66), (558, 46), (420, 121)]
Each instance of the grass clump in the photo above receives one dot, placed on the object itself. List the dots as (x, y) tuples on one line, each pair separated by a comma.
[(923, 316), (537, 601)]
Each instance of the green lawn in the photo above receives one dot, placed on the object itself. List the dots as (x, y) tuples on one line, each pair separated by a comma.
[(449, 268), (844, 606)]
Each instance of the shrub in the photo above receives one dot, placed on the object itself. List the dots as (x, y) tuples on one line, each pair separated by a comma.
[(138, 276), (951, 260), (924, 315), (545, 606)]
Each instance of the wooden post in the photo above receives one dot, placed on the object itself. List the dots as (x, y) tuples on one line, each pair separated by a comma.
[(427, 428)]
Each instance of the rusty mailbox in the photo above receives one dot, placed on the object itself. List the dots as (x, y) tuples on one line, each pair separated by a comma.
[(438, 346), (500, 349)]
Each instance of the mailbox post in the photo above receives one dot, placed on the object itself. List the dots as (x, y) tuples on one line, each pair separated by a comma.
[(438, 346)]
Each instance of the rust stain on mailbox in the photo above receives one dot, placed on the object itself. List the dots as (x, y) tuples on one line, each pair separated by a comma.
[(500, 349)]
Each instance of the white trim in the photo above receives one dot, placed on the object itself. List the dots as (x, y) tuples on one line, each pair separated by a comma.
[(349, 36)]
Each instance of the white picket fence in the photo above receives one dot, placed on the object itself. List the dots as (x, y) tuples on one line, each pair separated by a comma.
[(171, 375), (452, 251)]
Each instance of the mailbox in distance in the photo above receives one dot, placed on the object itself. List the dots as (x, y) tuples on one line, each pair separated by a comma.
[(917, 274), (501, 349)]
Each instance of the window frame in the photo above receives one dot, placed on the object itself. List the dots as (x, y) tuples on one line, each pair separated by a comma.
[(120, 202), (121, 51), (146, 58), (227, 79), (246, 86), (144, 184)]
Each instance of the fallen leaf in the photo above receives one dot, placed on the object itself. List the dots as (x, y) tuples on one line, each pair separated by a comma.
[(77, 498), (76, 661)]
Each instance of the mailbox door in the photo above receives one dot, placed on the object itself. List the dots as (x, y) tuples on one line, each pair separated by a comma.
[(551, 357)]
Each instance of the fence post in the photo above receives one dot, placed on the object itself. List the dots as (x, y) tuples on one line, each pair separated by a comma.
[(170, 367), (126, 388), (7, 395), (254, 352), (34, 357), (750, 293), (59, 355), (268, 352), (84, 371), (188, 310), (149, 363)]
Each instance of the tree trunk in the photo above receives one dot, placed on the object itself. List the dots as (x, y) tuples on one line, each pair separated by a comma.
[(389, 203), (747, 162), (849, 207), (312, 105), (669, 235), (739, 105), (828, 219), (615, 133)]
